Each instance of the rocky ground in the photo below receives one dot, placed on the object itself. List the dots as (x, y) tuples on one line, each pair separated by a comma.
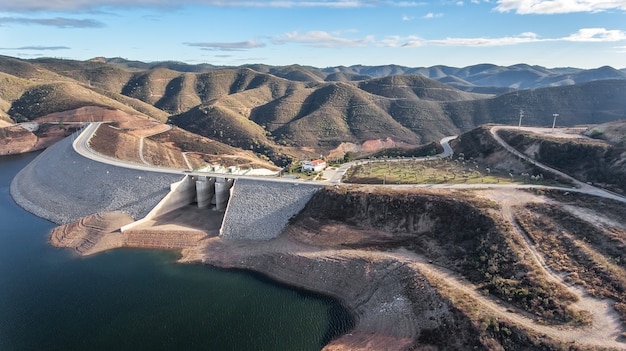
[(420, 269), (62, 186), (406, 290)]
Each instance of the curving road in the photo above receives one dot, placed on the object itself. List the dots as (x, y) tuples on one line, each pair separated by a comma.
[(581, 187), (605, 326), (334, 176)]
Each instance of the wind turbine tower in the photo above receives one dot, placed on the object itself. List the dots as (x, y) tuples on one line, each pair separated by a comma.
[(555, 115)]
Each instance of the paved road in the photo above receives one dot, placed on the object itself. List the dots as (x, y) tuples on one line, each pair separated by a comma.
[(141, 143), (334, 176), (582, 187)]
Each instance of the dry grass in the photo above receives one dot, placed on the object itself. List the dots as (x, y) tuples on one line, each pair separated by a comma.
[(435, 171), (584, 253)]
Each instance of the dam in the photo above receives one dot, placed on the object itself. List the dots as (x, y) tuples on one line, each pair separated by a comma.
[(63, 186)]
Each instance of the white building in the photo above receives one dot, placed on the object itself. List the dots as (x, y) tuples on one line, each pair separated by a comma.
[(313, 166)]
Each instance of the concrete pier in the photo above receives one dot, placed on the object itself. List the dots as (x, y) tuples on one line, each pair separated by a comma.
[(222, 192), (205, 191)]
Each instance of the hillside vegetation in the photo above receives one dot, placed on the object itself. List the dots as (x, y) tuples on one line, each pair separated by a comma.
[(589, 160), (292, 112)]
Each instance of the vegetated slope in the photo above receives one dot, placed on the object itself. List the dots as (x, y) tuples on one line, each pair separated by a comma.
[(489, 78), (415, 87), (474, 242), (166, 149), (30, 90), (43, 99), (224, 125), (587, 160), (27, 70), (592, 255), (201, 150), (335, 113), (149, 86), (611, 132), (478, 145), (11, 88), (92, 73), (304, 111), (589, 103)]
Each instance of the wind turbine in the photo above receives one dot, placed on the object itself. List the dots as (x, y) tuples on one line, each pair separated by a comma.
[(555, 115)]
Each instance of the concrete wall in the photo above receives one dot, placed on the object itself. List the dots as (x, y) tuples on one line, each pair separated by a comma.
[(260, 210), (205, 191), (181, 194), (222, 193)]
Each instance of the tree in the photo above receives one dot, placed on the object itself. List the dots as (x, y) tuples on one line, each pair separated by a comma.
[(349, 156)]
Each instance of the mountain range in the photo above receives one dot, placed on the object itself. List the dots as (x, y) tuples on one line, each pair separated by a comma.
[(298, 110)]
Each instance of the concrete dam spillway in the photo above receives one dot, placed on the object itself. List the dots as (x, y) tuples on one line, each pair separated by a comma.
[(205, 192), (62, 186), (253, 209)]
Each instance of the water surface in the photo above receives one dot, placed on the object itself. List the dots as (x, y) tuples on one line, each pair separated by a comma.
[(140, 299)]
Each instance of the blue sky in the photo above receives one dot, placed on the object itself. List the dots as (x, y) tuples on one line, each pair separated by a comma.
[(321, 33)]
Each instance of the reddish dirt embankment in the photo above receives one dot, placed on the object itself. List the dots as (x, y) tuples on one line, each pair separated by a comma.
[(14, 139), (420, 270), (100, 232), (17, 140)]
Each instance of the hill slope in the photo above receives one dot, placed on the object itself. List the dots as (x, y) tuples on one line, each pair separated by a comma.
[(303, 111)]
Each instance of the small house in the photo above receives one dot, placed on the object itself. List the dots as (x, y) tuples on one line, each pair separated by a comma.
[(313, 166)]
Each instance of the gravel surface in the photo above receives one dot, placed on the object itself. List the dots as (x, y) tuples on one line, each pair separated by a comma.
[(260, 210), (62, 186)]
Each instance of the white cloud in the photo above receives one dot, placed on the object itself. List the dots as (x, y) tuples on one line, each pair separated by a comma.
[(228, 46), (322, 39), (65, 5), (395, 41), (503, 41), (406, 18), (596, 35), (58, 22), (38, 48), (431, 15), (546, 7)]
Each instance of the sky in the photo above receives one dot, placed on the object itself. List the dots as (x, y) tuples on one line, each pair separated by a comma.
[(321, 33)]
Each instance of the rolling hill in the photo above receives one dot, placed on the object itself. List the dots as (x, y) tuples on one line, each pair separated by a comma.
[(299, 111)]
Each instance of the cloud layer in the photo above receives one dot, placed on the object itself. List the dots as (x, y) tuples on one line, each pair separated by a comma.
[(227, 46), (58, 22), (39, 48), (548, 7), (72, 5), (322, 39)]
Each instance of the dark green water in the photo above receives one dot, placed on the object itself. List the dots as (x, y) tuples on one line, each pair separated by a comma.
[(140, 299)]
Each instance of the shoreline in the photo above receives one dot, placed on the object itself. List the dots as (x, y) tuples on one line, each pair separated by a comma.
[(396, 301), (379, 292), (47, 187), (50, 187)]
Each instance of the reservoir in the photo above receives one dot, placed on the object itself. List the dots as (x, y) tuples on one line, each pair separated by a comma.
[(141, 299)]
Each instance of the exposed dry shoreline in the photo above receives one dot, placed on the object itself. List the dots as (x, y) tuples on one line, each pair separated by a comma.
[(391, 301), (398, 299)]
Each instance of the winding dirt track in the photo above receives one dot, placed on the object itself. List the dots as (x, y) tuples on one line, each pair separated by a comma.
[(606, 328)]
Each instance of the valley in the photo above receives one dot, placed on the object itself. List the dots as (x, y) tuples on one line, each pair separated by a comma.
[(505, 237)]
